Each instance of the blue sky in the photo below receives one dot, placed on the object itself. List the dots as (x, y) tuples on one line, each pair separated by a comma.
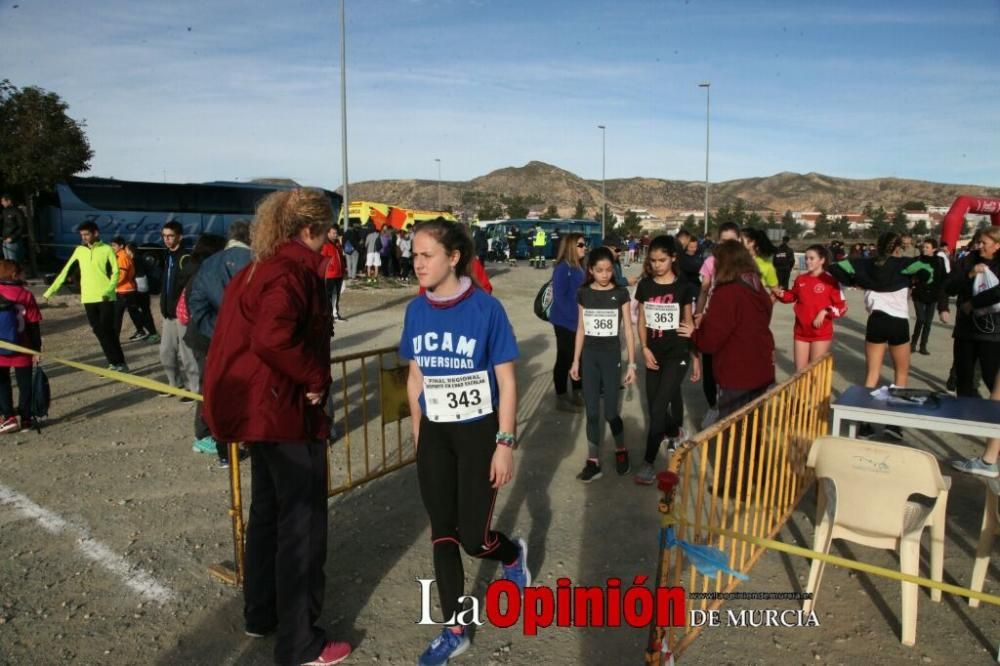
[(221, 89)]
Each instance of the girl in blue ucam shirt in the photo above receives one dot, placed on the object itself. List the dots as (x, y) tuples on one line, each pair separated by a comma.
[(463, 405)]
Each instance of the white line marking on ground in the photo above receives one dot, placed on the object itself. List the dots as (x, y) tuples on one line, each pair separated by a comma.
[(135, 578)]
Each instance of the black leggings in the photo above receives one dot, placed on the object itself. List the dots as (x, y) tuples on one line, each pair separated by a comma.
[(127, 301), (922, 329), (601, 370), (142, 302), (967, 354), (708, 384), (666, 404), (333, 286), (453, 467), (565, 341), (24, 386), (783, 276)]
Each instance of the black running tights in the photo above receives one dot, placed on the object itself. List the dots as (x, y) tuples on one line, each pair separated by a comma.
[(453, 467)]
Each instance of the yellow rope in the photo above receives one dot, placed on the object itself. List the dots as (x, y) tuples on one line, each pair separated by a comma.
[(124, 377), (844, 562)]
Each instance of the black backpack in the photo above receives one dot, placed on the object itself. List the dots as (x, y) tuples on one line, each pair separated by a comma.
[(40, 397), (543, 301)]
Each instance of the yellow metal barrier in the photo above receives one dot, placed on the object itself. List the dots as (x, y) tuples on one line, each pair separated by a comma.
[(368, 395), (744, 474)]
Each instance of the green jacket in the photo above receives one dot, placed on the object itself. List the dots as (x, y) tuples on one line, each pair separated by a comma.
[(98, 273)]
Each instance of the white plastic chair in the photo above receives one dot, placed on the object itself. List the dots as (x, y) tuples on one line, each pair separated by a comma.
[(991, 527), (864, 497)]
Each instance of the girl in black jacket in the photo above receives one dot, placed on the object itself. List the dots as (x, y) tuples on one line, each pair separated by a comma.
[(927, 295), (983, 346), (886, 279), (977, 329)]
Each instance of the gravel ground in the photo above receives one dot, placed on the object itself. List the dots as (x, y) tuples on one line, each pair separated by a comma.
[(108, 523)]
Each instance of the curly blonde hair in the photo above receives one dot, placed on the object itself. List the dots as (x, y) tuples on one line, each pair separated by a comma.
[(281, 215)]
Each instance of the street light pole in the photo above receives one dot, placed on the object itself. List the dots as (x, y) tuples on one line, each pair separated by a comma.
[(438, 160), (604, 194), (346, 205), (708, 100)]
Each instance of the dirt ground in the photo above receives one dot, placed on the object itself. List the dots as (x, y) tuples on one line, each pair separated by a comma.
[(108, 522)]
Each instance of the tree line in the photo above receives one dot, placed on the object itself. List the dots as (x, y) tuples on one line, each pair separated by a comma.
[(826, 226)]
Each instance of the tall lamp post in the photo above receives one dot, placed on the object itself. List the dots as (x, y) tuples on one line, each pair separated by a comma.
[(604, 194), (346, 206), (708, 100), (438, 160)]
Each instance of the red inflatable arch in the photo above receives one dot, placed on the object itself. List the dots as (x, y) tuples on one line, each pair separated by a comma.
[(951, 227)]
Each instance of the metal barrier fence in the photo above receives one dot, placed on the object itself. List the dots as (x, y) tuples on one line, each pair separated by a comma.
[(746, 473), (367, 404)]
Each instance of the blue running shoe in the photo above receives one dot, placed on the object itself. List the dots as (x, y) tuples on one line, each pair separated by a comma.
[(447, 645), (204, 445), (518, 571)]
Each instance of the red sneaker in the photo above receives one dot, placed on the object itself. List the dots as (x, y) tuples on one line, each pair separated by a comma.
[(333, 652), (9, 424)]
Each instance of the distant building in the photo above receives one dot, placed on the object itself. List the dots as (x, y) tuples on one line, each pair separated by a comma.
[(641, 213), (807, 218), (913, 216)]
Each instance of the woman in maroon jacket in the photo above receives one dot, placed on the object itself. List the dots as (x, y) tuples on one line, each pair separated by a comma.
[(735, 329), (267, 375)]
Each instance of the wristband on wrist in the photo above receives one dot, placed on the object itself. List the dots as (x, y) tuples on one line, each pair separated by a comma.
[(505, 439)]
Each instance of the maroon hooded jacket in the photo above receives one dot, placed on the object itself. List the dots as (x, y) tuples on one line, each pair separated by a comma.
[(270, 347), (736, 332)]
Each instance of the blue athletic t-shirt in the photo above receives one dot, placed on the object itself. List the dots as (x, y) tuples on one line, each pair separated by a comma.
[(474, 335)]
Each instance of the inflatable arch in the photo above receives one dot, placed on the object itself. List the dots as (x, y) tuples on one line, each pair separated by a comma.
[(951, 227)]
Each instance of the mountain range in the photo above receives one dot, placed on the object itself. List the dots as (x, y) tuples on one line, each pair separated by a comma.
[(544, 184)]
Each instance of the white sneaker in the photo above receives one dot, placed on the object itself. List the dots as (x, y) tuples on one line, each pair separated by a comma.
[(673, 442)]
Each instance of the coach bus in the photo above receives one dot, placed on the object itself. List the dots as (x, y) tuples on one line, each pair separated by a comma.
[(499, 233), (137, 211)]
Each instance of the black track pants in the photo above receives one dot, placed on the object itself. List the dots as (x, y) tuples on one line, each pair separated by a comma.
[(102, 322), (708, 384), (286, 547), (565, 340), (967, 354), (922, 329)]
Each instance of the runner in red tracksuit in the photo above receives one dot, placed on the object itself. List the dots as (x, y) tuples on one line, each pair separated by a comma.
[(818, 301), (334, 272)]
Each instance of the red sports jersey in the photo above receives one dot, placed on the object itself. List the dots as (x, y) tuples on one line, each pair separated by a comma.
[(811, 294)]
